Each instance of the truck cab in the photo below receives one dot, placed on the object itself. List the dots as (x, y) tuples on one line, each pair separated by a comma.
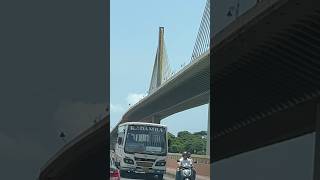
[(142, 149)]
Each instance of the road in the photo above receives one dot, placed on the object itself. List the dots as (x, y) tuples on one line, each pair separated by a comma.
[(166, 177)]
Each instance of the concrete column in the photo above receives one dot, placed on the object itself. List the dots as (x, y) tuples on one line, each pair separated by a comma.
[(160, 56), (208, 132)]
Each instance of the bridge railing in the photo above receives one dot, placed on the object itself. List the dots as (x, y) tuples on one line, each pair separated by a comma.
[(201, 159), (202, 166)]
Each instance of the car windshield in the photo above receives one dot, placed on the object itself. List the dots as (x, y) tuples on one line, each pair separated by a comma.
[(146, 140)]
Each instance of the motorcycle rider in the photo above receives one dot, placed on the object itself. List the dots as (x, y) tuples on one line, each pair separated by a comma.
[(184, 160), (193, 170)]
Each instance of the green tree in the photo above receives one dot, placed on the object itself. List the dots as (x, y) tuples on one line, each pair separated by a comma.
[(171, 139), (201, 133), (184, 134), (186, 141), (174, 148)]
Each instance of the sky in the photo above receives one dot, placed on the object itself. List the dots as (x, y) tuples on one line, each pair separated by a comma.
[(133, 44)]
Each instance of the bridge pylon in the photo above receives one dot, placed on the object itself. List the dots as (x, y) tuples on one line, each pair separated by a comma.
[(161, 69)]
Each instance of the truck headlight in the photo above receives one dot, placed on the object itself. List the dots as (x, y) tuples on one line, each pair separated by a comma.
[(161, 163), (128, 160)]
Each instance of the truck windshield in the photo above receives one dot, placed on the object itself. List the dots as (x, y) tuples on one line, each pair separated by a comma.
[(146, 140)]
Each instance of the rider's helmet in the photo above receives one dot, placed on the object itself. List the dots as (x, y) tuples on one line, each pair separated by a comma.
[(185, 155)]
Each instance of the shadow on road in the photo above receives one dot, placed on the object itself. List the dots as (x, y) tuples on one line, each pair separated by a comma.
[(142, 177)]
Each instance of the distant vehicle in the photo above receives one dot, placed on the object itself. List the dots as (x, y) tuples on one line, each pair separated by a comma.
[(114, 171), (141, 148)]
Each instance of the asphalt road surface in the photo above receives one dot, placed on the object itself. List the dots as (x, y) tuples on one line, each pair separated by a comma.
[(165, 177)]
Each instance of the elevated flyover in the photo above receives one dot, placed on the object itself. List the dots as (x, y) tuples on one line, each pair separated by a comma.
[(266, 70), (188, 88)]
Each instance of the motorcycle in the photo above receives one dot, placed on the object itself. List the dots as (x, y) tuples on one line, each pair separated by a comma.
[(185, 172)]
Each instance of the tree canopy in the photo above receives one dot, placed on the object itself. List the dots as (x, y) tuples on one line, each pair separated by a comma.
[(186, 141)]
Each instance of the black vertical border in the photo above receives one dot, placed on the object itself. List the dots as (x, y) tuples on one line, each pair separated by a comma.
[(106, 24), (316, 163), (211, 102)]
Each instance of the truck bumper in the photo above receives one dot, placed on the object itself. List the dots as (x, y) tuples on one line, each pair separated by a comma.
[(143, 171)]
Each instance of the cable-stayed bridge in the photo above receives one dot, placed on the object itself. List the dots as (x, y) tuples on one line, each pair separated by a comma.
[(170, 92), (266, 86)]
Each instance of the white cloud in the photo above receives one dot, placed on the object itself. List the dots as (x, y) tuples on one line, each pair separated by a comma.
[(134, 97), (116, 108)]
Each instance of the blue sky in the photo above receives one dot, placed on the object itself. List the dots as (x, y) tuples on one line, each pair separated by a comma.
[(133, 43)]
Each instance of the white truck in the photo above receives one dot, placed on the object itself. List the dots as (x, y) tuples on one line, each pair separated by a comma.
[(142, 148)]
